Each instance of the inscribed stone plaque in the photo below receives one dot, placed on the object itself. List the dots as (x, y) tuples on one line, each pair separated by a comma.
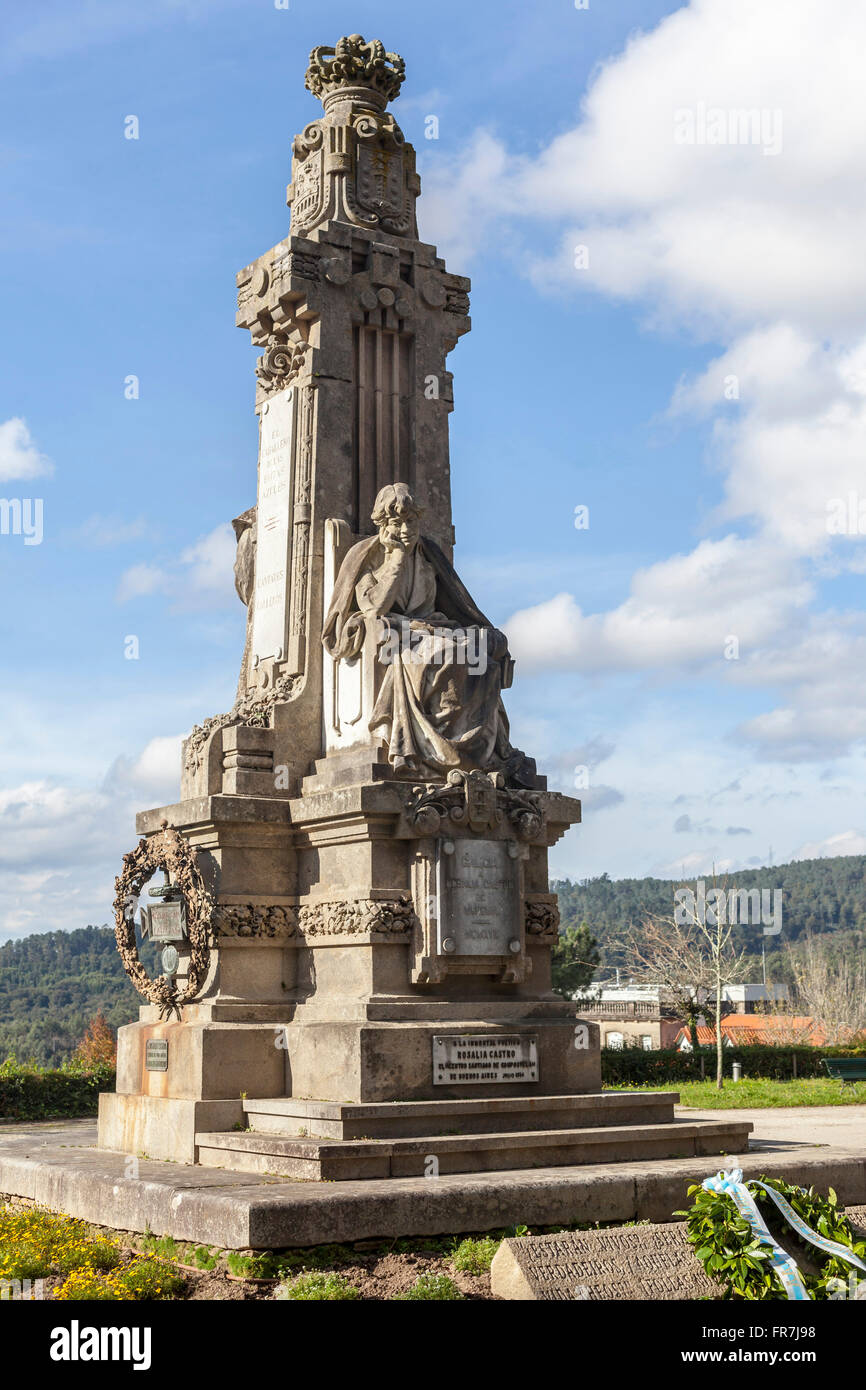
[(156, 1054), (273, 528), (478, 898), (473, 1059), (641, 1262)]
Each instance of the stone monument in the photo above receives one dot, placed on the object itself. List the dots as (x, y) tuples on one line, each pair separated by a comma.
[(356, 917)]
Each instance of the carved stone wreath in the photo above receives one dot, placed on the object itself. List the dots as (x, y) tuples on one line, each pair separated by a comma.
[(169, 851), (255, 708)]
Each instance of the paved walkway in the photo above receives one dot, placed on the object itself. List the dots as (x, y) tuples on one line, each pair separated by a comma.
[(842, 1126)]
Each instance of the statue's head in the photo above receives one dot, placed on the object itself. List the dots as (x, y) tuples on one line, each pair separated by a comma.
[(398, 517)]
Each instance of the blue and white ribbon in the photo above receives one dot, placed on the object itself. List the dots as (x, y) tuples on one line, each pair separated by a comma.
[(784, 1264)]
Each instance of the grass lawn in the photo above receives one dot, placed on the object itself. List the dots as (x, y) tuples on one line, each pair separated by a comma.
[(748, 1094)]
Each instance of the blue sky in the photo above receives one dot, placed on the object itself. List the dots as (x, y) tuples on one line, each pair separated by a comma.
[(606, 386)]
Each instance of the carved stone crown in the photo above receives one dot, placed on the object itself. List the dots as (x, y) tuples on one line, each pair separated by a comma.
[(355, 63)]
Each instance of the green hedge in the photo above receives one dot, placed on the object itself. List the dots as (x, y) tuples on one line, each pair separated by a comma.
[(29, 1093), (632, 1065)]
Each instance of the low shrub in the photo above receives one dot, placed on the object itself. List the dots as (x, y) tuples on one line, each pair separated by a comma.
[(36, 1244), (431, 1286), (139, 1281), (319, 1286), (475, 1256), (624, 1066), (31, 1092)]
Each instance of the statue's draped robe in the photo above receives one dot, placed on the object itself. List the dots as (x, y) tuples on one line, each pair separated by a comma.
[(439, 703)]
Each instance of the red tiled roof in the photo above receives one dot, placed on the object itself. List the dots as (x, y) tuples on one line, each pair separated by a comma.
[(760, 1028)]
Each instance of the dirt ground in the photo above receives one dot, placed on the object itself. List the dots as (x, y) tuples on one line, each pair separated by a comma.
[(377, 1277)]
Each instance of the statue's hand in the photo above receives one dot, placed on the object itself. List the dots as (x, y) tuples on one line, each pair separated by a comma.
[(395, 559)]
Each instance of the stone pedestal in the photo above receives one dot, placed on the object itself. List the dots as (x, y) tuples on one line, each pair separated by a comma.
[(332, 976)]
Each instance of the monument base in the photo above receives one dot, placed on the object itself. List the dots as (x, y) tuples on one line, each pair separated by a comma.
[(177, 1078), (381, 1060), (60, 1167), (161, 1127), (407, 1140)]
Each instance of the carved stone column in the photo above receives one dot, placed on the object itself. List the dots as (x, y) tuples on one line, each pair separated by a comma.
[(354, 318)]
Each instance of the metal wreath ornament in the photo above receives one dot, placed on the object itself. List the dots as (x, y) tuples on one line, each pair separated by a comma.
[(169, 851)]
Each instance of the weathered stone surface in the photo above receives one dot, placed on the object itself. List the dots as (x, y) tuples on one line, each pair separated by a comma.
[(643, 1262), (163, 1126), (397, 1119), (339, 1161), (57, 1165), (480, 909), (345, 1057)]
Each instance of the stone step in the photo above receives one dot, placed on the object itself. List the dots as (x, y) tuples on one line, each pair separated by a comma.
[(314, 1119), (348, 768), (321, 1160)]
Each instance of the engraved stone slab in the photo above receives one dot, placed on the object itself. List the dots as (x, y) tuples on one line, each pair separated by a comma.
[(636, 1263), (478, 893), (473, 1059), (156, 1054), (271, 593)]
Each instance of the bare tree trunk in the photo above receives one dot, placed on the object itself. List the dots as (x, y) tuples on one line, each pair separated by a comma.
[(719, 1075), (719, 1072)]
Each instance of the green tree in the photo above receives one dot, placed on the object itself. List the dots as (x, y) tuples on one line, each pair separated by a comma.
[(574, 960)]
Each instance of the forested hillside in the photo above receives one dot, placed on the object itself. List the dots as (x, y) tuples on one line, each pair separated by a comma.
[(818, 895), (51, 985)]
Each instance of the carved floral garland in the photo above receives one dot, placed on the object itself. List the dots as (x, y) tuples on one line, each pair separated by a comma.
[(255, 709), (169, 851)]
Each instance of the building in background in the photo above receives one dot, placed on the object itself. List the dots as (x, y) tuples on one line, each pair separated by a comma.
[(644, 1015), (630, 1015)]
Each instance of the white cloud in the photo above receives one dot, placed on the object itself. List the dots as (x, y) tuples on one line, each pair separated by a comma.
[(19, 456), (201, 577), (846, 842), (158, 765), (461, 198), (680, 612), (140, 580), (793, 450), (154, 775), (61, 846), (722, 236), (211, 562)]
